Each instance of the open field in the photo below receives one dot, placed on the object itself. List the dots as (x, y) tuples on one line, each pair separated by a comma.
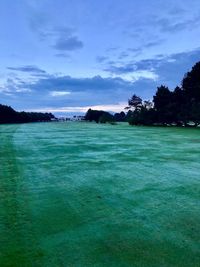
[(82, 194)]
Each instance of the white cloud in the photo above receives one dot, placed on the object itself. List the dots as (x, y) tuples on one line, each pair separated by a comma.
[(144, 74), (21, 90), (60, 93), (110, 108), (140, 74)]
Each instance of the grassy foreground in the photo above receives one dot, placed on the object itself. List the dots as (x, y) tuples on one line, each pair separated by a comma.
[(82, 194)]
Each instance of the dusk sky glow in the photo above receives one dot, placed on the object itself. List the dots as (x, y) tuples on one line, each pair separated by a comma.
[(65, 56)]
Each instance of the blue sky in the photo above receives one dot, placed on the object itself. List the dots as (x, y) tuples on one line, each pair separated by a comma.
[(66, 56)]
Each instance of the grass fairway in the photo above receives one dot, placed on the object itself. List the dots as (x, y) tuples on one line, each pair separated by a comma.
[(81, 194)]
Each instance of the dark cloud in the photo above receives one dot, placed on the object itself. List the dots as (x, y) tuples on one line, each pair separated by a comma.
[(94, 84), (91, 91), (55, 33), (29, 69), (63, 55), (138, 50), (112, 49), (149, 64), (135, 50), (132, 66), (68, 83), (98, 90), (123, 55), (129, 52), (176, 11), (171, 24), (62, 37), (174, 21), (170, 69), (153, 43), (123, 69), (101, 59), (63, 30), (167, 25), (68, 43)]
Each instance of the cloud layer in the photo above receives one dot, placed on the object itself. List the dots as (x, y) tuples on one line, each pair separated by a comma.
[(74, 54)]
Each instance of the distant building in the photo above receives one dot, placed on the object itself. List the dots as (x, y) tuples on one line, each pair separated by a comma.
[(78, 118)]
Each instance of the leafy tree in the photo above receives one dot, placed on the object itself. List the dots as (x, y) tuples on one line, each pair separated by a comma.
[(106, 117), (9, 115), (162, 98), (135, 102), (148, 104), (180, 107), (143, 116), (191, 83), (163, 104), (98, 116), (120, 116), (191, 91)]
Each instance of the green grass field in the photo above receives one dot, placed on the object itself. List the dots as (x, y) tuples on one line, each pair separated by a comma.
[(82, 194)]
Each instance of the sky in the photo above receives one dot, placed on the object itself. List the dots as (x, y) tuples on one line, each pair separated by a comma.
[(67, 56)]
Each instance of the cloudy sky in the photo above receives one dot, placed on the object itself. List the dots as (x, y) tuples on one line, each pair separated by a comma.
[(65, 56)]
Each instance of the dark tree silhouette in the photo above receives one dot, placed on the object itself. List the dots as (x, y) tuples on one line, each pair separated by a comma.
[(180, 107), (120, 116), (9, 115), (98, 116), (134, 102), (163, 104), (106, 117), (191, 83)]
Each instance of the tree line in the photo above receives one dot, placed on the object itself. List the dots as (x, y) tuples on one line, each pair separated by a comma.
[(9, 115), (100, 116), (178, 107)]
